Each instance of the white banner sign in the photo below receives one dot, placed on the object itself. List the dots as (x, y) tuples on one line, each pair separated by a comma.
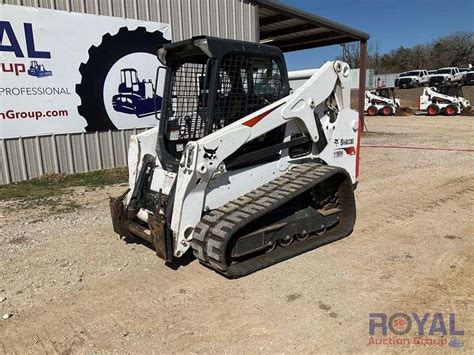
[(63, 72)]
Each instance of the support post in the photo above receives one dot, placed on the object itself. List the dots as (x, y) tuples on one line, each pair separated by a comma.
[(362, 72)]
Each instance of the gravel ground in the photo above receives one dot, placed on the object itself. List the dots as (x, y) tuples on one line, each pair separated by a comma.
[(69, 284)]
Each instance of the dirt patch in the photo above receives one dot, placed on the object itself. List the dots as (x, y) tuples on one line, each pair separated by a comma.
[(19, 240), (466, 112), (293, 296), (324, 306), (450, 236), (404, 111), (71, 285)]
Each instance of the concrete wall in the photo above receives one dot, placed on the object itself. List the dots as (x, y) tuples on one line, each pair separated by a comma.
[(385, 80)]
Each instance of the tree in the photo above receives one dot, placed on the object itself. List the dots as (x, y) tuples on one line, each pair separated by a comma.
[(350, 54), (456, 49)]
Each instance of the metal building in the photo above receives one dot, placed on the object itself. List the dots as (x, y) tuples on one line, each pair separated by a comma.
[(235, 19), (250, 20)]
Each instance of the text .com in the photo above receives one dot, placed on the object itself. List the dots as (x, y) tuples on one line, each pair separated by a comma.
[(36, 115)]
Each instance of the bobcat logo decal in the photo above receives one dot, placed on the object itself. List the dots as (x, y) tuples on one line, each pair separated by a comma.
[(210, 153)]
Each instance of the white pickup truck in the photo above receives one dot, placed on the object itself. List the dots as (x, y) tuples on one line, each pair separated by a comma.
[(412, 79), (443, 75), (467, 75)]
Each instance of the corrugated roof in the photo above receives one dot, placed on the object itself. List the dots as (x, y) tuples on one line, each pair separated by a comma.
[(292, 29)]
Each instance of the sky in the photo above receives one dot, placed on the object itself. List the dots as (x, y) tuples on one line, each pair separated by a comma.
[(390, 23)]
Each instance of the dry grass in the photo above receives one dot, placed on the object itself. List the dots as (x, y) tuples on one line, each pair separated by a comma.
[(52, 185)]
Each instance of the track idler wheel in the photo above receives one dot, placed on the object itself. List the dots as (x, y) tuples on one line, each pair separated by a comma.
[(302, 237), (322, 231), (286, 242), (271, 247)]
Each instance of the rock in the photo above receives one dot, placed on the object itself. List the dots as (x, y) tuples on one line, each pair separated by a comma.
[(2, 299), (7, 315)]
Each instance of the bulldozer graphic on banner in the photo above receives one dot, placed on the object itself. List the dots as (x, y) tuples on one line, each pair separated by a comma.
[(38, 70), (135, 96)]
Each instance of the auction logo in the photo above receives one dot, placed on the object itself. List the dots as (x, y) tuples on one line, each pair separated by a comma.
[(9, 42), (429, 329)]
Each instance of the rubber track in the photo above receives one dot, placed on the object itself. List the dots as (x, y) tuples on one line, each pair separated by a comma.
[(215, 229)]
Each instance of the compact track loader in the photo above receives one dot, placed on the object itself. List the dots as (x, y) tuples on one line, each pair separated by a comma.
[(240, 170)]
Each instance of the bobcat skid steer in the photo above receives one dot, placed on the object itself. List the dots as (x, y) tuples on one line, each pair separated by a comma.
[(240, 170), (381, 101), (447, 99)]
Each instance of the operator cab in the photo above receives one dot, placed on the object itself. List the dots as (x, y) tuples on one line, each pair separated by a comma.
[(386, 92), (212, 82), (450, 90)]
